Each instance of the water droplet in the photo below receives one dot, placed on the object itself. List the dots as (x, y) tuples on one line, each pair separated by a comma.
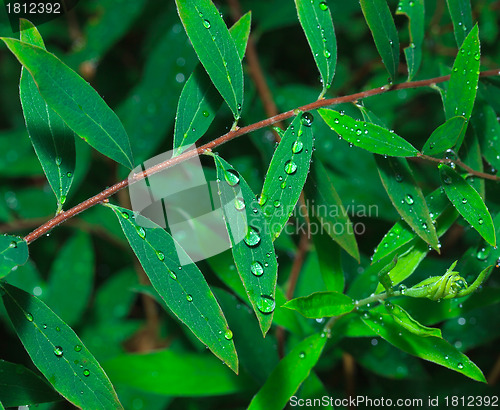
[(323, 6), (29, 317), (252, 237), (172, 275), (160, 255), (58, 329), (277, 204), (402, 289), (326, 53), (306, 119), (141, 232), (189, 298), (297, 147), (460, 366), (58, 351), (446, 179), (266, 304), (69, 174), (409, 199), (399, 178), (86, 373), (13, 244), (228, 334), (239, 204), (58, 161), (78, 348), (206, 23), (206, 113), (446, 357), (302, 355), (44, 326), (464, 200), (283, 185), (256, 268), (477, 56), (232, 177), (482, 254), (125, 215), (480, 221), (290, 167)]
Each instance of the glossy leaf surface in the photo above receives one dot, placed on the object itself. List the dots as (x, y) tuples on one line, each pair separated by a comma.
[(445, 136), (415, 11), (461, 16), (321, 304)]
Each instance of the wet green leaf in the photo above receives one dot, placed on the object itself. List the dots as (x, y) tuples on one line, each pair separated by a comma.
[(379, 19), (182, 287), (415, 11), (461, 16), (316, 21), (58, 352), (13, 252), (406, 196), (200, 100), (251, 241), (321, 304), (367, 136), (329, 259), (431, 348), (287, 173), (289, 374), (215, 48), (75, 101), (468, 203), (445, 136), (52, 139), (402, 317)]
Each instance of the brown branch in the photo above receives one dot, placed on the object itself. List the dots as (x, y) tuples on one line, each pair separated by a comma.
[(458, 162), (99, 198)]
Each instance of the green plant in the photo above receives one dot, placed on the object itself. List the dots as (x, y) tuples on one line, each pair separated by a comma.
[(340, 177)]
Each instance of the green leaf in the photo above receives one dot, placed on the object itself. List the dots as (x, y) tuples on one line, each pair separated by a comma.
[(367, 136), (316, 21), (182, 287), (215, 48), (58, 352), (254, 256), (287, 173), (329, 259), (200, 100), (445, 136), (379, 19), (415, 11), (75, 101), (462, 87), (402, 317), (407, 198), (13, 252), (289, 374), (174, 373), (487, 127), (461, 16), (468, 203), (52, 140), (431, 348), (321, 304), (19, 386), (326, 207)]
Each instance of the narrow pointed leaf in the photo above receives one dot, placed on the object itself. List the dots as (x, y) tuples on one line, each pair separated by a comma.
[(200, 100), (321, 304), (289, 374), (402, 317), (407, 197), (461, 16), (368, 136), (182, 287), (19, 386), (215, 48), (321, 194), (58, 352), (316, 21), (287, 173), (445, 136), (251, 241), (379, 19), (468, 203), (75, 101), (13, 252), (431, 348), (415, 11), (52, 139)]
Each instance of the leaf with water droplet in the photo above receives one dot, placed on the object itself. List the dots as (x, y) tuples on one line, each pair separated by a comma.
[(407, 197), (415, 11), (461, 16), (291, 165), (445, 136), (296, 365), (215, 48), (474, 210), (202, 315), (200, 100), (431, 348), (379, 19), (321, 304), (52, 139), (53, 354), (374, 138), (249, 233), (13, 252), (403, 318), (316, 21)]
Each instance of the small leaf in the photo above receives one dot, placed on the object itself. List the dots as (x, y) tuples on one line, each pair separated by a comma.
[(445, 136), (402, 317), (468, 203), (289, 374), (431, 348), (287, 173), (215, 48), (58, 352), (415, 11), (13, 252), (75, 101), (407, 197), (251, 241), (316, 21), (321, 304), (379, 19), (19, 386), (200, 100), (368, 136), (461, 16), (52, 140), (182, 287)]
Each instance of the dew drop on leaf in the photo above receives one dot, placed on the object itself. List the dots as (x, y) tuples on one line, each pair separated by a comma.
[(189, 298), (460, 366), (206, 24), (306, 119), (78, 348), (160, 255), (302, 355), (409, 199), (290, 167), (86, 373), (252, 237), (232, 177), (29, 317), (228, 334), (239, 204), (141, 232), (266, 304), (297, 147), (256, 268), (58, 351)]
